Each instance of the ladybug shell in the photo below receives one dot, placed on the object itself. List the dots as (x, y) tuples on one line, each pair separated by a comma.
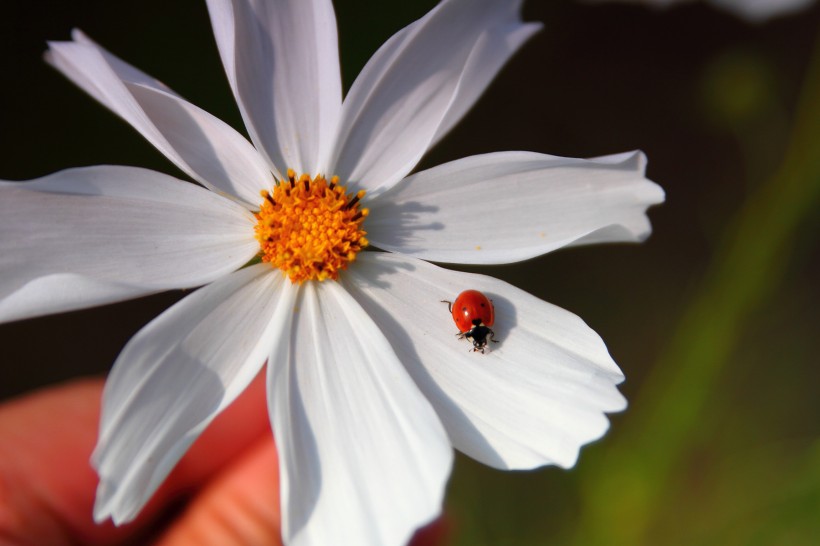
[(471, 305)]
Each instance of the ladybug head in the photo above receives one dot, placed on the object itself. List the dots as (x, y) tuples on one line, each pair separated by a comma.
[(479, 335)]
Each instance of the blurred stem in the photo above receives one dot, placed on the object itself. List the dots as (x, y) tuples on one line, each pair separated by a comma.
[(624, 486), (770, 495)]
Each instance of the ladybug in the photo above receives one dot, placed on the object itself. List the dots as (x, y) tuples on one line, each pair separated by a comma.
[(473, 313)]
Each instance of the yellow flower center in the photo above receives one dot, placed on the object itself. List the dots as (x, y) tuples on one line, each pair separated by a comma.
[(310, 229)]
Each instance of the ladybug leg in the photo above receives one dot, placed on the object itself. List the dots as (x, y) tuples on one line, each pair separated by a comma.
[(449, 305), (491, 335)]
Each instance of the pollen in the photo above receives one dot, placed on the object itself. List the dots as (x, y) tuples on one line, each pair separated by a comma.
[(311, 229)]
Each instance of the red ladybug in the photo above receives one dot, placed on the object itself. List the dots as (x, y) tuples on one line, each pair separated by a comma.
[(473, 313)]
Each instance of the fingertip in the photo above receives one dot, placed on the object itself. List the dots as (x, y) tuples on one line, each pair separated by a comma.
[(47, 483), (240, 507)]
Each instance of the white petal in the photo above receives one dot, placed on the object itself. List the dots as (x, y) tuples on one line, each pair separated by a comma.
[(282, 61), (364, 457), (510, 206), (207, 149), (410, 91), (760, 10), (752, 10), (95, 235), (176, 375), (535, 398), (125, 71), (491, 53)]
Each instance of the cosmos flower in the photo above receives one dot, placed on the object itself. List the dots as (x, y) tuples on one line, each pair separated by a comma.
[(368, 389), (752, 10)]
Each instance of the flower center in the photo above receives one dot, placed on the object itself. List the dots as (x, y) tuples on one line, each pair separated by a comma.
[(310, 229)]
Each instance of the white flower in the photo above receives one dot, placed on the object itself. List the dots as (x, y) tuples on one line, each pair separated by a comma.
[(368, 388), (753, 10)]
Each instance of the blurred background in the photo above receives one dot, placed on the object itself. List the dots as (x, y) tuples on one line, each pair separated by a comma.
[(714, 320)]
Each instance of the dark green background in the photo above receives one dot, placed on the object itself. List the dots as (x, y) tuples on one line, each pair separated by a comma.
[(717, 336)]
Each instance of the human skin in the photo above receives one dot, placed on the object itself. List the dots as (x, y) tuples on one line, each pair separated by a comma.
[(224, 492)]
